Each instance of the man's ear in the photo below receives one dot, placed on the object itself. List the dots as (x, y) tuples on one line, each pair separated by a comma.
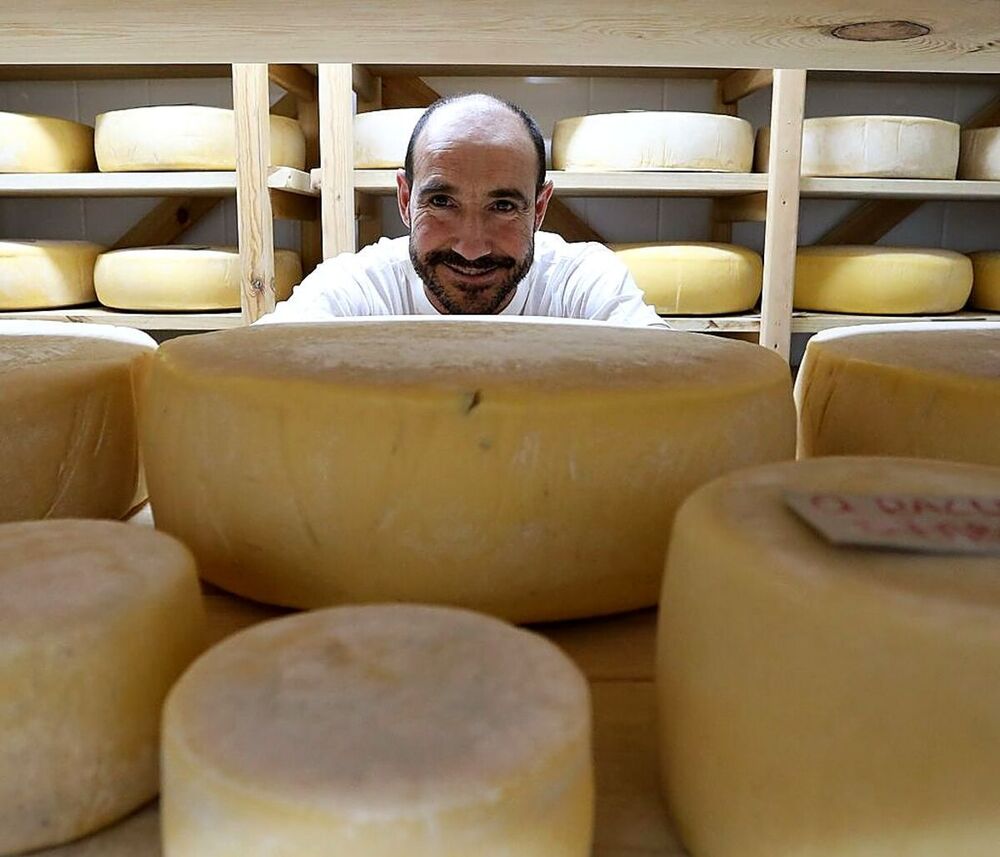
[(403, 196), (542, 204)]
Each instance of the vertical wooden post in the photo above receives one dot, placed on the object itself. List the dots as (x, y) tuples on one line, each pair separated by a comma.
[(253, 200), (781, 230), (336, 142), (368, 205), (311, 231)]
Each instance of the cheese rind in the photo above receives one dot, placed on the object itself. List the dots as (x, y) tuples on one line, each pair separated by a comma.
[(881, 280), (527, 470), (986, 280), (136, 836), (381, 137), (181, 277), (380, 731), (44, 144), (97, 620), (185, 137), (689, 278), (861, 686), (925, 391), (653, 140), (47, 274), (980, 155)]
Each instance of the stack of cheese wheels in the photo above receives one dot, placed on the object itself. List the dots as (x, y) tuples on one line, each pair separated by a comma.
[(904, 147), (828, 700), (182, 277), (44, 144), (136, 836), (986, 280), (68, 445), (530, 470), (881, 280), (930, 390), (654, 140), (380, 730), (47, 274), (980, 155), (381, 137), (689, 278), (97, 621), (185, 137)]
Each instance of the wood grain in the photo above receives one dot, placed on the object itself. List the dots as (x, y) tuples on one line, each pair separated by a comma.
[(336, 141), (166, 221)]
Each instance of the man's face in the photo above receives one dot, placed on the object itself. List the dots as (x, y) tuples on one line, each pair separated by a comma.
[(472, 210)]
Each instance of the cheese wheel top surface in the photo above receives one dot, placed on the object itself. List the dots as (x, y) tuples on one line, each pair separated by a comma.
[(23, 352)]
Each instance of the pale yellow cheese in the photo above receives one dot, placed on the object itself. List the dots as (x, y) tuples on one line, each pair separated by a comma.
[(980, 155), (183, 277), (688, 278), (906, 147), (529, 470), (44, 144), (653, 140), (97, 620), (924, 390), (825, 701), (379, 731), (881, 280), (986, 280), (136, 836), (185, 137), (47, 274), (381, 137)]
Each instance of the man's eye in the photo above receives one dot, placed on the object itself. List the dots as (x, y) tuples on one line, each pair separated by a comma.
[(439, 201), (504, 205)]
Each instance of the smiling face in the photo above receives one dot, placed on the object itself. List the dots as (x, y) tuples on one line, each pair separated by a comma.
[(472, 210)]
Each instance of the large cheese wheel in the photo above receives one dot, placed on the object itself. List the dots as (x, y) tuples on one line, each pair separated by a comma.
[(881, 280), (986, 280), (903, 147), (980, 155), (689, 278), (185, 137), (379, 731), (136, 836), (922, 390), (68, 445), (182, 277), (381, 137), (821, 700), (47, 274), (97, 620), (44, 144), (654, 140), (525, 469)]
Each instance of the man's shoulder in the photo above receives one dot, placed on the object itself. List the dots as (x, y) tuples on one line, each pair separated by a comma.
[(557, 256)]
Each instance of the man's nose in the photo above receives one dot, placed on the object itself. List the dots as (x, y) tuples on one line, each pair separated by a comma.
[(472, 239)]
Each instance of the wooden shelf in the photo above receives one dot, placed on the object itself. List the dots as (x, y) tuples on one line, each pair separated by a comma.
[(813, 322), (741, 323), (117, 71), (140, 320), (929, 189)]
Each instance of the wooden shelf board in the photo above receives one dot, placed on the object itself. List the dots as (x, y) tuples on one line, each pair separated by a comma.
[(500, 70), (140, 320), (929, 189), (813, 322), (739, 323), (116, 71)]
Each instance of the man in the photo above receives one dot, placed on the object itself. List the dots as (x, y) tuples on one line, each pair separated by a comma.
[(473, 195)]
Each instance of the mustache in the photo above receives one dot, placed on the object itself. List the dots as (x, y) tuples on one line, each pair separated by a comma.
[(483, 263)]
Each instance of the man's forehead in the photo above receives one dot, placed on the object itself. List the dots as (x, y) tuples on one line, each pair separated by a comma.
[(475, 128)]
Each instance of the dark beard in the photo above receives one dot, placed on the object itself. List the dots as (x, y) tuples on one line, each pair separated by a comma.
[(516, 272)]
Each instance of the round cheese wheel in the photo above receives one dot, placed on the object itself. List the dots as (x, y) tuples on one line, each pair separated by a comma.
[(68, 444), (47, 274), (185, 137), (44, 144), (379, 731), (903, 147), (527, 470), (381, 137), (654, 140), (136, 836), (97, 621), (986, 280), (183, 277), (823, 700), (980, 155), (694, 279), (924, 390), (881, 280)]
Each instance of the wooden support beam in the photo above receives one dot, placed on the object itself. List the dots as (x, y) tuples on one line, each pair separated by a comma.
[(287, 105), (167, 221), (286, 205), (294, 79), (365, 84), (749, 208), (336, 140), (310, 231), (740, 84)]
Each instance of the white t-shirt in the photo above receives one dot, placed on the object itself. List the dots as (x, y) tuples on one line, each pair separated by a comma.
[(578, 280)]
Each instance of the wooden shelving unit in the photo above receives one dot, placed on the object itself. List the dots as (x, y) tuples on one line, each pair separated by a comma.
[(141, 320)]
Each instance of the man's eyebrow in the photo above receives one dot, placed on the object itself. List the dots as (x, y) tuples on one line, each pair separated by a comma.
[(509, 193), (436, 186)]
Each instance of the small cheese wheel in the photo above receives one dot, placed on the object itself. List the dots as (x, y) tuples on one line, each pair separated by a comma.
[(136, 836), (654, 140), (185, 137), (379, 731), (903, 147), (381, 137), (97, 621), (528, 470), (68, 441), (47, 274), (183, 277), (694, 279), (980, 155), (927, 390), (881, 280), (44, 144), (823, 700), (986, 280)]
